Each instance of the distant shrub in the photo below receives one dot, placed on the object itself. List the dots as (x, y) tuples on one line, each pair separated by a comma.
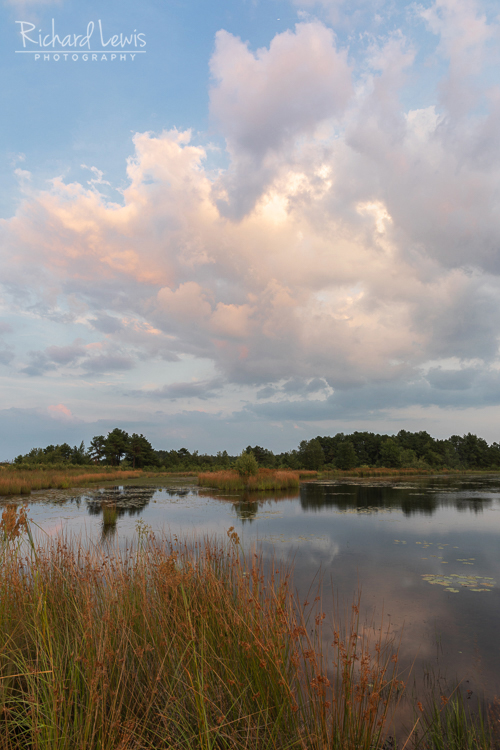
[(246, 465)]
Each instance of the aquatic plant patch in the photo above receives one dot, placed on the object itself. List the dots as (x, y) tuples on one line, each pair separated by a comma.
[(472, 583)]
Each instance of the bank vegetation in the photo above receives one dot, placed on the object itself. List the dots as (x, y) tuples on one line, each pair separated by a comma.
[(189, 644)]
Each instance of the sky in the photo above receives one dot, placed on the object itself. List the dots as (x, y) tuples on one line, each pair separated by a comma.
[(248, 221)]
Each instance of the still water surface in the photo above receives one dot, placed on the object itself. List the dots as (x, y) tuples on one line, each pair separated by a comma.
[(425, 553)]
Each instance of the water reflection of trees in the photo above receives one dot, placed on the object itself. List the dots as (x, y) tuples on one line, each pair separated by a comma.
[(424, 498), (126, 500), (246, 509), (246, 505), (180, 492), (114, 502)]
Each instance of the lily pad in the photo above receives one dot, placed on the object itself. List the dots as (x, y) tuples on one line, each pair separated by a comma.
[(473, 583)]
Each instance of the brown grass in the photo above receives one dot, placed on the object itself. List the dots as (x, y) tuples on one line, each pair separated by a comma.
[(22, 482)]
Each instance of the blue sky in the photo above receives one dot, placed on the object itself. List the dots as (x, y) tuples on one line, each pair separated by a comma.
[(280, 221)]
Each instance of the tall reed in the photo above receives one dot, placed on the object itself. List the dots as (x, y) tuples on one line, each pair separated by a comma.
[(179, 645)]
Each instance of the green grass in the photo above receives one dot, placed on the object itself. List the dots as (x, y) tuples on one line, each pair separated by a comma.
[(450, 724)]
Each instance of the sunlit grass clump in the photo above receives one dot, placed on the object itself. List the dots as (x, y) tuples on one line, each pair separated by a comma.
[(176, 645), (265, 479)]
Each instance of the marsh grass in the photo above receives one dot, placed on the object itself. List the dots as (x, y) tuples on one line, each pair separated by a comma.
[(23, 481), (185, 644), (265, 479), (380, 471), (177, 644), (448, 723)]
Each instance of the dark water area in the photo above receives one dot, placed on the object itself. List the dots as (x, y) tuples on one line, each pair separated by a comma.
[(425, 553)]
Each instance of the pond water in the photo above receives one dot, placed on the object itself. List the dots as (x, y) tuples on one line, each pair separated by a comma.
[(425, 553)]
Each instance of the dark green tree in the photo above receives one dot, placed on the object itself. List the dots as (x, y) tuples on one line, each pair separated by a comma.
[(494, 455), (390, 454), (311, 454), (97, 449), (64, 451), (263, 456), (289, 460), (140, 452), (408, 458), (78, 455), (472, 451), (329, 447), (223, 459), (346, 457), (367, 447), (185, 458), (116, 446)]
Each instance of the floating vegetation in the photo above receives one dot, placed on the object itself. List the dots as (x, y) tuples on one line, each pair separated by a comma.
[(366, 510), (440, 545), (121, 498), (282, 539), (473, 583), (114, 502)]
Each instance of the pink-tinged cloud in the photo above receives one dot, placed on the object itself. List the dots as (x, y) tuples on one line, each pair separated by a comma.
[(361, 248), (463, 32), (59, 411), (187, 303), (265, 99)]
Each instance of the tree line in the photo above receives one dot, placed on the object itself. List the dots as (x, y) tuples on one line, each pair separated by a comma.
[(417, 450)]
